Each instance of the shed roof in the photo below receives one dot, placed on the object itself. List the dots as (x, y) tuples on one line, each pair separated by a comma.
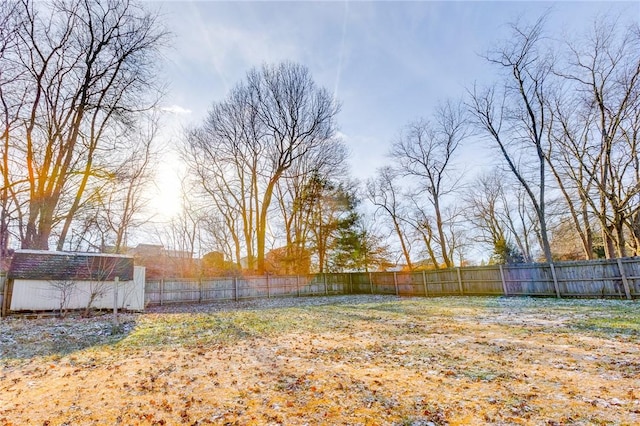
[(53, 265)]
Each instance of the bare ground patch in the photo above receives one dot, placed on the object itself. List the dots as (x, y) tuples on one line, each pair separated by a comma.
[(330, 360)]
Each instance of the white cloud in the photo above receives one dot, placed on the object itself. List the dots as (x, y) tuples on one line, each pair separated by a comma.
[(342, 136), (176, 109)]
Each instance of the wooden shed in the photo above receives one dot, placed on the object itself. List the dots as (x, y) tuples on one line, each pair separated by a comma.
[(40, 280)]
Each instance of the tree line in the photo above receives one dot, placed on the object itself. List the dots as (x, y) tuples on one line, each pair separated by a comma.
[(561, 119), (268, 187)]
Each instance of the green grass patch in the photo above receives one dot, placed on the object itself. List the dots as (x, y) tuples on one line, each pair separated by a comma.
[(408, 318), (204, 329), (626, 325)]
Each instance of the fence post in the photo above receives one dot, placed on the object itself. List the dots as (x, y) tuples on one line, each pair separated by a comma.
[(460, 281), (268, 289), (116, 281), (350, 283), (235, 288), (625, 283), (161, 290), (200, 290), (371, 282), (424, 282), (555, 280), (4, 308), (324, 280), (504, 284), (395, 281)]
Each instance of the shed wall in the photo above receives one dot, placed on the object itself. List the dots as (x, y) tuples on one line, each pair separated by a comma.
[(46, 295)]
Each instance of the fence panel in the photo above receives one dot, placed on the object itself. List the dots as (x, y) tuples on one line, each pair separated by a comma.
[(443, 282), (180, 291), (631, 269), (484, 280), (361, 283), (337, 283), (222, 288), (253, 287), (312, 285), (597, 278), (152, 292), (383, 283), (410, 284), (282, 286), (433, 285), (529, 280)]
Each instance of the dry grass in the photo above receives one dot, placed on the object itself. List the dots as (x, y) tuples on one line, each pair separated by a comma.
[(330, 360)]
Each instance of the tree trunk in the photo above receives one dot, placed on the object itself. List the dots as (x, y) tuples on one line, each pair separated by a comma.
[(443, 241)]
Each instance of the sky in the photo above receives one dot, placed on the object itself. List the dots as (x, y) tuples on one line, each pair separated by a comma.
[(387, 63)]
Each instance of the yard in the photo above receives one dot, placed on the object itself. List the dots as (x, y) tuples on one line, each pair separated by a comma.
[(329, 360)]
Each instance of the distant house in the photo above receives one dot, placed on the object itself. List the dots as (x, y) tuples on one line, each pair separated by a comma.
[(281, 261), (288, 261), (157, 250), (213, 264), (145, 250), (40, 280), (164, 263)]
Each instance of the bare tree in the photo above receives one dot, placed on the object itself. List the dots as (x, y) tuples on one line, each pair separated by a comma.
[(217, 238), (98, 270), (484, 208), (115, 201), (224, 156), (500, 215), (273, 118), (523, 223), (384, 193), (95, 291), (82, 71), (232, 205), (122, 195), (422, 223), (299, 195), (64, 290), (12, 101), (515, 116), (181, 236), (568, 136), (425, 152), (374, 250), (599, 124)]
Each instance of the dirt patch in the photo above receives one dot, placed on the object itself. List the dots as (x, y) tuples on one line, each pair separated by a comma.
[(330, 360)]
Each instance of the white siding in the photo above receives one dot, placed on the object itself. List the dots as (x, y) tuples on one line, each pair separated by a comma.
[(32, 295), (135, 300)]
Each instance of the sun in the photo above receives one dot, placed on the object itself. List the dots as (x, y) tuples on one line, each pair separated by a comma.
[(165, 194)]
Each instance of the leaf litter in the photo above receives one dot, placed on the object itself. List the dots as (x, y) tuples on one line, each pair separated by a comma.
[(354, 360)]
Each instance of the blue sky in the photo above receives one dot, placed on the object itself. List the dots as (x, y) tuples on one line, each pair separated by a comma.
[(387, 62)]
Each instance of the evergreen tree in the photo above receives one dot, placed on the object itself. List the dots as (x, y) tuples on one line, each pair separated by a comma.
[(504, 253)]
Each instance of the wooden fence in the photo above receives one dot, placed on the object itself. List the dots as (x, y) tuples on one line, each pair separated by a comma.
[(617, 278), (3, 278), (158, 292)]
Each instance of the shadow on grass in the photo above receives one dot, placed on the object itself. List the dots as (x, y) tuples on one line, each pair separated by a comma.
[(611, 326), (22, 339), (190, 326), (274, 303)]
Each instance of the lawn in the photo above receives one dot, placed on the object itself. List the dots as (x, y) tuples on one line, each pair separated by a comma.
[(329, 360)]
